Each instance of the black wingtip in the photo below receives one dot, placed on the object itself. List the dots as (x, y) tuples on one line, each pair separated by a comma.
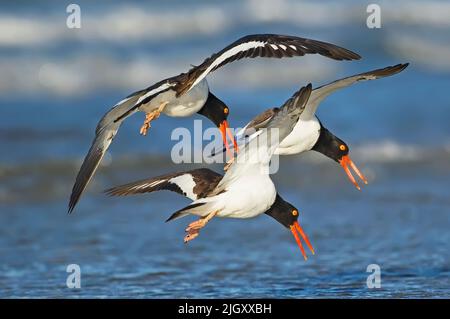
[(404, 66), (346, 55), (110, 192), (88, 168), (390, 70), (349, 55), (74, 197), (399, 67), (333, 51), (305, 92), (71, 207), (355, 56)]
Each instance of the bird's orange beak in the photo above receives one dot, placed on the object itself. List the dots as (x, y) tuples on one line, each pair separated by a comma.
[(297, 228), (225, 130), (345, 162)]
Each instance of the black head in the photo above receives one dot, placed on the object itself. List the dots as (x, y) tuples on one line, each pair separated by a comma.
[(217, 111), (330, 145), (214, 109), (283, 212), (335, 148), (287, 215)]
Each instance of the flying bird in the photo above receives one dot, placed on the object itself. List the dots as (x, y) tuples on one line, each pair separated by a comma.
[(198, 183), (245, 191), (188, 93), (309, 133)]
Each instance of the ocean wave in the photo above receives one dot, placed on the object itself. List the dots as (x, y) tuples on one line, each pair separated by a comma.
[(431, 54), (128, 28), (44, 180), (130, 23), (389, 151), (144, 22), (385, 151)]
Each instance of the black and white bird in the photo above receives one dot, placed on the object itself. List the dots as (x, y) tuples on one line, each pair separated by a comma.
[(246, 190), (198, 183), (188, 93), (309, 134)]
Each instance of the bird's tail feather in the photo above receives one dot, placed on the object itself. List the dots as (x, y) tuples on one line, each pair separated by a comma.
[(184, 211)]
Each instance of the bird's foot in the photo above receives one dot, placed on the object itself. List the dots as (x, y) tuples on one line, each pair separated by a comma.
[(144, 128), (153, 115), (197, 225), (190, 236), (193, 229)]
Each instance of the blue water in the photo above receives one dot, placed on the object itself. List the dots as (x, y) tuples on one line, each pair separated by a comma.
[(397, 129)]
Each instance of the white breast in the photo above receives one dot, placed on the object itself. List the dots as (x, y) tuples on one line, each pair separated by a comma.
[(248, 197), (302, 138), (189, 103)]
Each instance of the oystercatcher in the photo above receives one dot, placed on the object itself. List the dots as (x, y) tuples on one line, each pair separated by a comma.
[(309, 132), (188, 93), (245, 191), (197, 184)]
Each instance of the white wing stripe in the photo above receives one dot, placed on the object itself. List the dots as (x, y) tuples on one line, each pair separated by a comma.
[(122, 101), (154, 91), (227, 54), (145, 185), (153, 184), (186, 183)]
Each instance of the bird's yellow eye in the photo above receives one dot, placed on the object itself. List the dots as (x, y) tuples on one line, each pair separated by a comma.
[(342, 147), (294, 212), (225, 110)]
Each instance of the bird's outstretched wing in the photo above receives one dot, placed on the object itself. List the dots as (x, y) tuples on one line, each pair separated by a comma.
[(256, 153), (320, 93), (287, 116), (146, 95), (263, 45), (251, 130), (193, 184), (104, 134)]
